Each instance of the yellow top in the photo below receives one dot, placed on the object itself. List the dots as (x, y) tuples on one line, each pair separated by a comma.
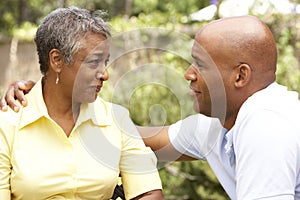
[(38, 161)]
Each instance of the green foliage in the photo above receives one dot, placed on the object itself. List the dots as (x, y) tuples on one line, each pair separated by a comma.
[(26, 32), (156, 19), (191, 180), (141, 6), (286, 32), (168, 6), (8, 19)]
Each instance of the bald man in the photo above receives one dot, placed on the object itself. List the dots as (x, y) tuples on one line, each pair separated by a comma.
[(248, 125)]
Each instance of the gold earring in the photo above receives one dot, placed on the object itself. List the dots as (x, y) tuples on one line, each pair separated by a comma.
[(57, 79)]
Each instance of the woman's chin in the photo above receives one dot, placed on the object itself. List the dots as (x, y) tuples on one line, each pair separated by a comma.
[(86, 98)]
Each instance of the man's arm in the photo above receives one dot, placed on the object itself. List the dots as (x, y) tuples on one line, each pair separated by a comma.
[(151, 195), (157, 138), (16, 91)]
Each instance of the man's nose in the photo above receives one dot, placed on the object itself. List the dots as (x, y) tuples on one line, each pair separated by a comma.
[(190, 74)]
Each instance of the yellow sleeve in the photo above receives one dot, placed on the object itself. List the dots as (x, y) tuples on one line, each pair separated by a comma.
[(6, 134), (5, 194), (138, 162), (136, 184)]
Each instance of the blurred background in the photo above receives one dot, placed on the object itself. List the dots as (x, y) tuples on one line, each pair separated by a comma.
[(163, 101)]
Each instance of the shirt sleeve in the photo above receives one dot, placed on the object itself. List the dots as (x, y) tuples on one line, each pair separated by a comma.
[(267, 157), (5, 164), (196, 135), (138, 162)]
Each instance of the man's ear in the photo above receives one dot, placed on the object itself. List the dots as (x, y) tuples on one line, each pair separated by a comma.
[(243, 75), (56, 61)]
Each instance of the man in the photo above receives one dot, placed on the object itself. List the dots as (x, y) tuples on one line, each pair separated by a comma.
[(256, 152)]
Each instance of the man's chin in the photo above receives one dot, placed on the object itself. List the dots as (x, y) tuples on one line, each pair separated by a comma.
[(196, 107), (202, 111)]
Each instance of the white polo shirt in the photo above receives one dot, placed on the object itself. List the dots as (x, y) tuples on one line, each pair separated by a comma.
[(259, 158)]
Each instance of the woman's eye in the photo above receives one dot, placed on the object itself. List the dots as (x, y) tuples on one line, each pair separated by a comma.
[(97, 61), (93, 62), (106, 62)]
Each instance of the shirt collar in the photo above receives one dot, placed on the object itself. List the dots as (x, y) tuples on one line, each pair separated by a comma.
[(229, 148), (36, 107), (97, 111)]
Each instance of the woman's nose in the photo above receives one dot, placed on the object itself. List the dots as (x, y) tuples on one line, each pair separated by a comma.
[(103, 76)]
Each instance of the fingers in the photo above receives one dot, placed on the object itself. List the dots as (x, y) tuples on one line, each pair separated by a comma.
[(28, 85), (10, 97), (20, 89), (3, 105), (16, 92)]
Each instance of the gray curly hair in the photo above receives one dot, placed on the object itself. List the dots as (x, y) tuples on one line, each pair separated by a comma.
[(62, 29)]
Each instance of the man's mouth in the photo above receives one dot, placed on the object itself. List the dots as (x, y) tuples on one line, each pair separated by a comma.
[(194, 91)]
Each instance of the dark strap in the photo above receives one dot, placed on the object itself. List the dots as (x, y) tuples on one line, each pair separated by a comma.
[(119, 192)]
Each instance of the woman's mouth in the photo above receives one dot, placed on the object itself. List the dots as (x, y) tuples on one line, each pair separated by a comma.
[(98, 88)]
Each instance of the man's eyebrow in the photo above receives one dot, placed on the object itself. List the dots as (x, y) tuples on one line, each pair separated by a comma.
[(194, 57)]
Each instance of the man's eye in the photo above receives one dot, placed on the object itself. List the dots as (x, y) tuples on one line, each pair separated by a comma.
[(197, 64)]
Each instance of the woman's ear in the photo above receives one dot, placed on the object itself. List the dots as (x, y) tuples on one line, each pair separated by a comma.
[(56, 61), (243, 75)]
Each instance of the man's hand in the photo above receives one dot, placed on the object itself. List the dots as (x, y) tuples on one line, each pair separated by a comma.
[(16, 91), (151, 195)]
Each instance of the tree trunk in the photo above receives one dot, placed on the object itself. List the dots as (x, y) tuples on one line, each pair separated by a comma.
[(22, 8), (128, 7)]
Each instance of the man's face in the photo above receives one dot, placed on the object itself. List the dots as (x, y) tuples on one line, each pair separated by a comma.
[(206, 83)]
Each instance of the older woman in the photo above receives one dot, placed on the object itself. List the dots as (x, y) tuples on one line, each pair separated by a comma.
[(68, 143)]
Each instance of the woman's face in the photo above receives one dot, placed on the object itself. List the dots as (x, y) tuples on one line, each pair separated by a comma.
[(89, 68)]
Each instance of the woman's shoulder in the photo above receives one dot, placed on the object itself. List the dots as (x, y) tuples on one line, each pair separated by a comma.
[(10, 117), (9, 123), (112, 108)]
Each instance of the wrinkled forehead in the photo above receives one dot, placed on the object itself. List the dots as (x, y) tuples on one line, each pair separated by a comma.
[(93, 44), (94, 41), (102, 45)]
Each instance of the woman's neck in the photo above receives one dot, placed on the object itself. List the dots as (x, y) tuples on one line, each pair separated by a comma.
[(60, 106)]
